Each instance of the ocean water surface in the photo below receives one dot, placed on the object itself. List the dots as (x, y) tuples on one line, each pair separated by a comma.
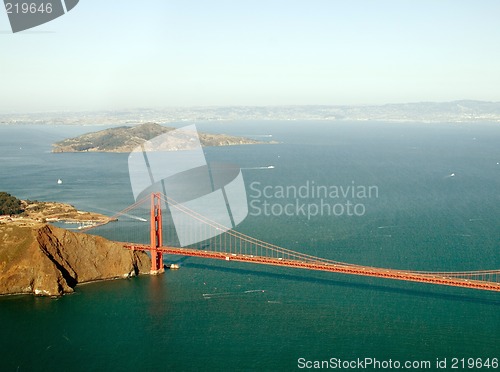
[(437, 208)]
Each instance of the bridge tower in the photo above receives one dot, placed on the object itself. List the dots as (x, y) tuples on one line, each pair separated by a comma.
[(156, 234)]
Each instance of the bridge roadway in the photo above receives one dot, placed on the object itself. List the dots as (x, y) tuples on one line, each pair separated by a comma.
[(408, 276)]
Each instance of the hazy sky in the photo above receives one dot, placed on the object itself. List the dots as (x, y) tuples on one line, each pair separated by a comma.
[(109, 54)]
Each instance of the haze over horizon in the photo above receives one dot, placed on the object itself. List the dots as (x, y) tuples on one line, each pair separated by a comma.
[(488, 105), (115, 55)]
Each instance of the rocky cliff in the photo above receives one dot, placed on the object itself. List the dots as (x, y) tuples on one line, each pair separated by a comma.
[(49, 261)]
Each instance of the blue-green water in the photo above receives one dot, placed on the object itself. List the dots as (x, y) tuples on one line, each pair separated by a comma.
[(264, 318)]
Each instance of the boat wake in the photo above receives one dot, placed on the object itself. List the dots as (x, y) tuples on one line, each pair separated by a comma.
[(208, 296), (123, 214), (258, 168)]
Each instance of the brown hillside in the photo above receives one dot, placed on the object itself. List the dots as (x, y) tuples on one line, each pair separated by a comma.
[(46, 260)]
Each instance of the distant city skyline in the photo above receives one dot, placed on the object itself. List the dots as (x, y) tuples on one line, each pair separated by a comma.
[(118, 54)]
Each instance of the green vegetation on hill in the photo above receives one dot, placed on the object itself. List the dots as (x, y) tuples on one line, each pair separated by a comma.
[(125, 139), (111, 139), (10, 204)]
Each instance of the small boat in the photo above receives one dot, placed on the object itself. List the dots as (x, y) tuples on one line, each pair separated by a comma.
[(174, 266), (59, 181)]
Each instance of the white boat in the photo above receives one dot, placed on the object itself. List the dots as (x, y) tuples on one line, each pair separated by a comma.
[(59, 181)]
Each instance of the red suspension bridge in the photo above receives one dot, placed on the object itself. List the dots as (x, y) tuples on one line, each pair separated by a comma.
[(230, 245)]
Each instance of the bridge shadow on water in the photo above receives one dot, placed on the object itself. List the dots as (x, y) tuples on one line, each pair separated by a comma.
[(339, 283)]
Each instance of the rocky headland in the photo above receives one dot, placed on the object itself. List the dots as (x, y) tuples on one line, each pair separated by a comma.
[(45, 260), (42, 259)]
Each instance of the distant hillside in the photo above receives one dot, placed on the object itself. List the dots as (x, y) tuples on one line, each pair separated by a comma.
[(435, 112), (125, 139)]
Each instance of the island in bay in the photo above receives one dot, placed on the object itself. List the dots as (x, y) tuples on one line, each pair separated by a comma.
[(126, 139), (41, 259)]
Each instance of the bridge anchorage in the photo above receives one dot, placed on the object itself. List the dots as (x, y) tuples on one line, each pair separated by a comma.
[(218, 242)]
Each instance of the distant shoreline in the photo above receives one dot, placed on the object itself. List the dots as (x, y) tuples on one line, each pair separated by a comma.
[(459, 111)]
